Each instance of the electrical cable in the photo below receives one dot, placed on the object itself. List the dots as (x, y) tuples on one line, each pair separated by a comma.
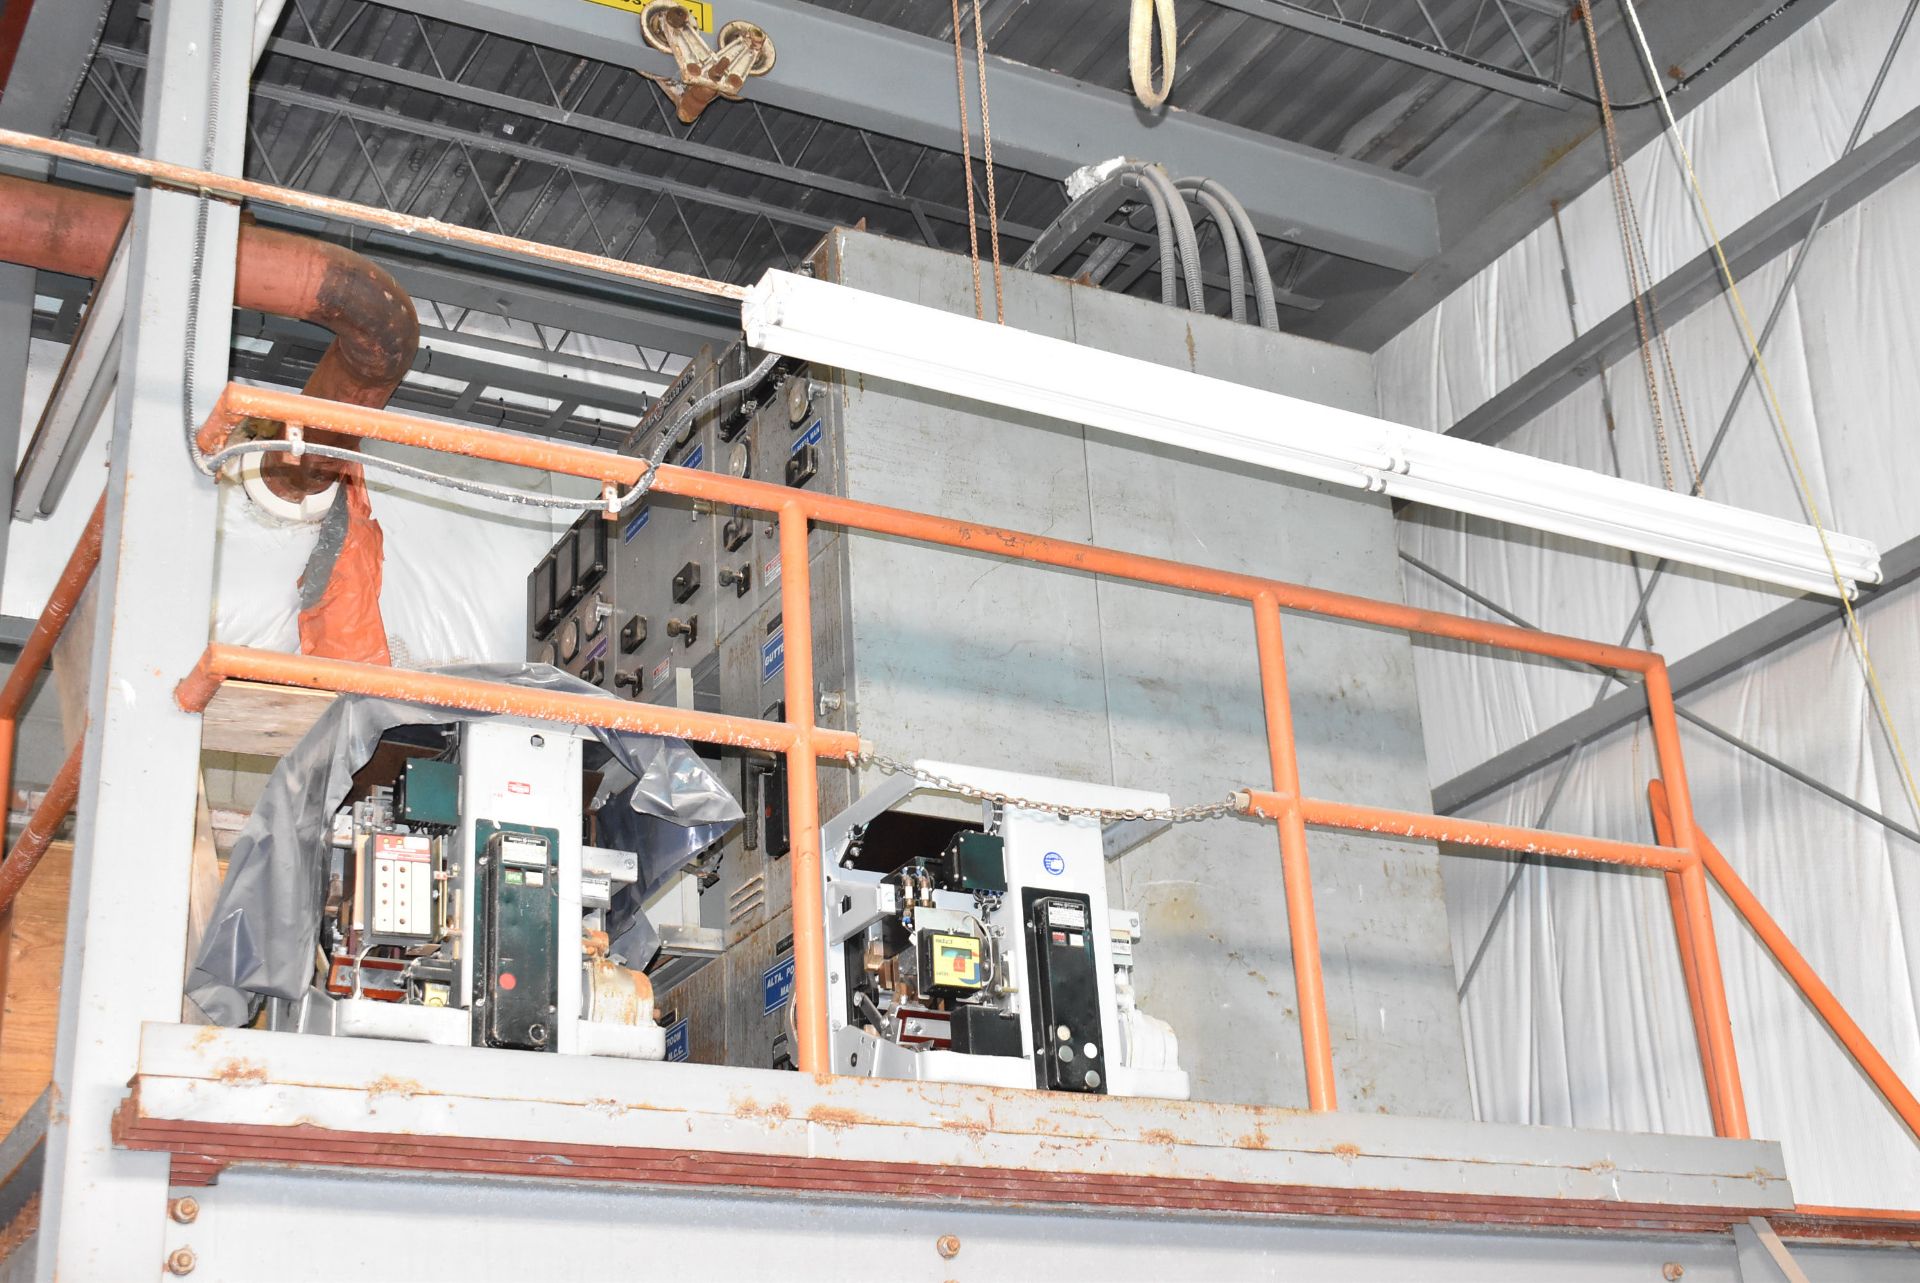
[(1249, 238), (1185, 238), (1855, 631), (508, 494), (1163, 228), (682, 421), (197, 258), (1230, 244)]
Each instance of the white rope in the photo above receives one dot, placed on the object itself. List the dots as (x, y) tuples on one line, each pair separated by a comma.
[(1140, 51)]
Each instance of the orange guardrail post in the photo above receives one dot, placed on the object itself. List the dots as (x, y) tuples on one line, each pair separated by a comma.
[(1316, 1043), (1723, 1076), (1822, 999)]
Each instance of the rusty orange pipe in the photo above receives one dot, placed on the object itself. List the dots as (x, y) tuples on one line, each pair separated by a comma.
[(812, 1052), (1447, 828), (375, 332), (375, 329), (73, 581), (38, 835), (1689, 963), (38, 647), (220, 663), (1801, 972), (238, 402), (186, 178), (1723, 1078), (1296, 874)]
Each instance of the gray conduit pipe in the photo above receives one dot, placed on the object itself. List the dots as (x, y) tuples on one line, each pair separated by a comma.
[(1187, 238), (1250, 239), (1230, 242), (1169, 250)]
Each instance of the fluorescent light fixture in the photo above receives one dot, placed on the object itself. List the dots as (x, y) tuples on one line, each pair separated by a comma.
[(79, 397), (850, 329)]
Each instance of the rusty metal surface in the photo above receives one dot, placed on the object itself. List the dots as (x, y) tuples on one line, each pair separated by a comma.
[(203, 1151), (187, 178)]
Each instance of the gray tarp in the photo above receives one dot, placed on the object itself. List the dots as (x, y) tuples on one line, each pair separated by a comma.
[(261, 942)]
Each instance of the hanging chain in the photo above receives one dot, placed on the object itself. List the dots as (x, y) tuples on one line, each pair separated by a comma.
[(1229, 805), (966, 159), (986, 150), (1622, 198)]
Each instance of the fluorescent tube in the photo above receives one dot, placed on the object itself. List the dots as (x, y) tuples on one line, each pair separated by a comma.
[(886, 338)]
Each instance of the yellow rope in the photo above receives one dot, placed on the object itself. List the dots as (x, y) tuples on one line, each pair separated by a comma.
[(1854, 630), (1140, 24)]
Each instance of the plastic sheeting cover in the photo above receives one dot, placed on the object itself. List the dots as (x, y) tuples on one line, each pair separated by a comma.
[(265, 926), (1577, 1015)]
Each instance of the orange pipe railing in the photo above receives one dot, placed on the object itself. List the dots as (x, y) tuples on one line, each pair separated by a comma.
[(1689, 965), (804, 744), (238, 403), (1800, 971), (38, 835), (33, 656), (1296, 875), (803, 797), (1447, 828), (1723, 1070), (38, 648), (219, 663)]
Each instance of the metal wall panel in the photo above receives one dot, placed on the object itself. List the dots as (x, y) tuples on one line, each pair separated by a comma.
[(289, 1226), (1033, 669)]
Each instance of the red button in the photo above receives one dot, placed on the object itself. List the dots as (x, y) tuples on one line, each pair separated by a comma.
[(506, 980)]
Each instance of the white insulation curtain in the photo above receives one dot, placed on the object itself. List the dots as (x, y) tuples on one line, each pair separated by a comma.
[(1578, 1014)]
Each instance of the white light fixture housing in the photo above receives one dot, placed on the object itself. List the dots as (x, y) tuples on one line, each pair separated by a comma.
[(850, 329), (79, 396)]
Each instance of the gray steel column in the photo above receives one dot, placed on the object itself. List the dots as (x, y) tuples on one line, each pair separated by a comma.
[(104, 1209)]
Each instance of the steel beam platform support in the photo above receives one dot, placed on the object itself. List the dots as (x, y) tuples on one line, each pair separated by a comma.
[(873, 77), (104, 1208), (1781, 627), (1853, 178), (1385, 44)]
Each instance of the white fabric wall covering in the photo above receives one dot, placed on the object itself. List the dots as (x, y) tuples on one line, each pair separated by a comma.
[(1578, 1014), (456, 564)]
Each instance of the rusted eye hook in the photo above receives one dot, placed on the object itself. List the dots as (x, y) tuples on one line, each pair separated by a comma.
[(743, 50)]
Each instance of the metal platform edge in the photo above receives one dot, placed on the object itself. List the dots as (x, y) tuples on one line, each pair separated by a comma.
[(218, 1097)]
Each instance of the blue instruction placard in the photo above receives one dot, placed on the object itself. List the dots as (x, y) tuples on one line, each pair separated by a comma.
[(776, 985)]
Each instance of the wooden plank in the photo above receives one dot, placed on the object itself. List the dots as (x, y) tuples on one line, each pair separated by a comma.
[(253, 717), (33, 984)]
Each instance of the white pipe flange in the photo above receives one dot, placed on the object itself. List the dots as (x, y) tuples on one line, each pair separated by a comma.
[(285, 512)]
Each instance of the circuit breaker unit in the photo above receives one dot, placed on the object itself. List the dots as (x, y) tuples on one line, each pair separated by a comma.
[(932, 652), (467, 911), (993, 957)]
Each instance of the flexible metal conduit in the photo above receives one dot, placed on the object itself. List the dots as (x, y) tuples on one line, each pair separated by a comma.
[(375, 330)]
